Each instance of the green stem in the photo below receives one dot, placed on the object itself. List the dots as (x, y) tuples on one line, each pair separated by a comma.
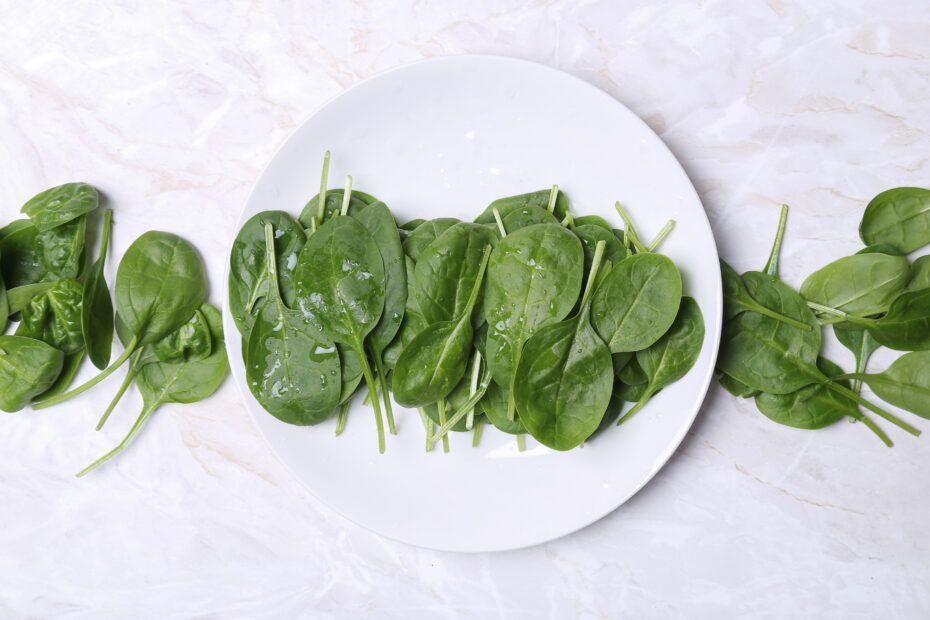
[(629, 228), (385, 393), (639, 405), (122, 389), (666, 230), (428, 427), (472, 390), (100, 377), (343, 416), (500, 223), (442, 422), (568, 221), (827, 310), (592, 275), (446, 425), (372, 389), (521, 442), (321, 207), (553, 196), (874, 428), (771, 266), (845, 391), (477, 437), (146, 413), (346, 196)]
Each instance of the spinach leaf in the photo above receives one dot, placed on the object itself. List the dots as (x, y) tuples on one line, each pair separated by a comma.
[(413, 322), (534, 278), (637, 302), (862, 284), (736, 388), (906, 326), (515, 219), (248, 272), (22, 263), (293, 373), (811, 407), (60, 205), (177, 382), (4, 306), (61, 249), (340, 289), (494, 403), (14, 226), (862, 345), (69, 370), (673, 355), (160, 282), (424, 234), (447, 269), (19, 297), (881, 248), (334, 197), (191, 341), (899, 217), (540, 199), (633, 374), (28, 367), (919, 277), (55, 317), (906, 383), (411, 225), (565, 378), (596, 220), (97, 306), (736, 299), (429, 368), (620, 361), (590, 234)]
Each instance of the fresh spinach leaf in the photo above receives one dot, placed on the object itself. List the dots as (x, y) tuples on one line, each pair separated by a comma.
[(590, 234), (905, 384), (637, 302), (494, 403), (15, 226), (736, 299), (28, 367), (862, 345), (55, 317), (881, 248), (811, 407), (906, 326), (60, 205), (736, 388), (69, 370), (863, 284), (540, 199), (899, 217), (97, 306), (19, 297), (424, 234), (919, 276)]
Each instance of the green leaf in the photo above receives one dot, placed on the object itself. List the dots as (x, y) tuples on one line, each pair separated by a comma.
[(97, 306), (736, 299), (862, 345), (538, 199), (862, 284), (424, 234), (60, 205), (811, 407), (28, 367), (69, 370), (55, 317), (899, 217), (906, 326), (736, 388), (906, 383), (919, 277)]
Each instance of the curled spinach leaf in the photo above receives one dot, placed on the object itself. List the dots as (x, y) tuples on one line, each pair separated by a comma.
[(811, 407), (97, 306), (899, 217), (60, 205), (862, 345), (736, 299), (28, 367), (637, 302), (424, 234), (55, 317), (906, 326)]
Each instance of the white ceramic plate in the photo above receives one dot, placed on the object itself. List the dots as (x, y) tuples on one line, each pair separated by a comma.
[(445, 137)]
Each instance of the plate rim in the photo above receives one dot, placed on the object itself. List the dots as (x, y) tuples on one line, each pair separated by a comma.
[(676, 440)]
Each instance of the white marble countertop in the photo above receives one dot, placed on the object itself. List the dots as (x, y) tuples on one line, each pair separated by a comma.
[(172, 109)]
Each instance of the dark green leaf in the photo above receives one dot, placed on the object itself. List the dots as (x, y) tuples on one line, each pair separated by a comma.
[(899, 217), (811, 407), (60, 205), (905, 384), (97, 306), (861, 284), (28, 367), (55, 317), (424, 234)]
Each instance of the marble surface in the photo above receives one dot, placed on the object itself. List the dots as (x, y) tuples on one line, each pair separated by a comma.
[(173, 108)]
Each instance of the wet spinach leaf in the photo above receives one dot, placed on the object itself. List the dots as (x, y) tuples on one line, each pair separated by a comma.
[(60, 205), (590, 234), (540, 199), (424, 234)]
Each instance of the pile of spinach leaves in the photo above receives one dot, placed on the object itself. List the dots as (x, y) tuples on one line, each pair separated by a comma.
[(63, 311), (772, 342), (529, 319)]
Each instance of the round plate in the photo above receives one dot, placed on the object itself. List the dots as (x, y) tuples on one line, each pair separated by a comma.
[(445, 137)]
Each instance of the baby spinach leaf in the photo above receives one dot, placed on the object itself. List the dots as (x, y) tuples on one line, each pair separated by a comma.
[(862, 345), (334, 197), (340, 289), (177, 382), (413, 322), (736, 388), (429, 368), (633, 374), (906, 326), (906, 383), (538, 199), (160, 282), (191, 341), (411, 225), (248, 273), (55, 317), (97, 306), (60, 205), (69, 370), (736, 299), (620, 361), (637, 303), (631, 393), (596, 220), (590, 234), (673, 355), (515, 219), (447, 269), (293, 374), (424, 234), (811, 407), (22, 262), (881, 248), (28, 367), (861, 284), (899, 217), (62, 249), (19, 297), (534, 278), (919, 277), (494, 403), (565, 377), (15, 226)]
